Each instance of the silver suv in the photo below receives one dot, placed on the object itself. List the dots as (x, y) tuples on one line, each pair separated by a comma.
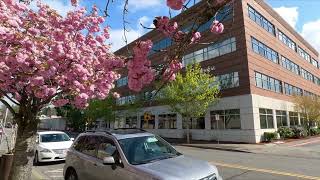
[(131, 154)]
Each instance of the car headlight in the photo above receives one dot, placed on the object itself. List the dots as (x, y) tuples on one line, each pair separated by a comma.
[(45, 150)]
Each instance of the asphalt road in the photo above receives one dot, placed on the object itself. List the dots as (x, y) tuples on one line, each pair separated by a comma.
[(231, 165)]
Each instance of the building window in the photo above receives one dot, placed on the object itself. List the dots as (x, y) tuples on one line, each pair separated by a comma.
[(126, 100), (289, 65), (293, 116), (159, 45), (304, 54), (262, 49), (230, 80), (260, 20), (228, 119), (287, 41), (303, 120), (307, 93), (268, 83), (212, 51), (122, 81), (167, 121), (306, 74), (292, 90), (131, 122), (266, 118), (195, 123), (281, 118), (147, 124), (315, 63)]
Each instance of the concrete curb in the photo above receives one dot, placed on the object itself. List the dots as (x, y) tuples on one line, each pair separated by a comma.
[(215, 148)]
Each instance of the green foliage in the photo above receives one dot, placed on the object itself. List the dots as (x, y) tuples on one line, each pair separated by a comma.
[(269, 136), (191, 93), (299, 132), (77, 119), (285, 132), (314, 131)]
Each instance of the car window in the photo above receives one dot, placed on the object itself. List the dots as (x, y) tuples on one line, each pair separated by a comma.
[(87, 145), (59, 137), (106, 148)]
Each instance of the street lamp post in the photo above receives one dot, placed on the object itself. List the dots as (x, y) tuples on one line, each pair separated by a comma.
[(217, 119)]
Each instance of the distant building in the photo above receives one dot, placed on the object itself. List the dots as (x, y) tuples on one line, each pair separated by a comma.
[(260, 62), (52, 123)]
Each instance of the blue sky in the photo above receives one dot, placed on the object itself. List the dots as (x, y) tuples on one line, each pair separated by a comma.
[(303, 15)]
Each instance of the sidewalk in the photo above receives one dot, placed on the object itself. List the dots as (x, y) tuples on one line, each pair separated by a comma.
[(276, 149)]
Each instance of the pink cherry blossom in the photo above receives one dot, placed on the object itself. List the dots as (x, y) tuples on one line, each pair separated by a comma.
[(195, 37), (175, 4), (217, 27), (60, 102), (140, 72), (163, 24), (116, 95), (54, 56), (74, 2), (170, 73)]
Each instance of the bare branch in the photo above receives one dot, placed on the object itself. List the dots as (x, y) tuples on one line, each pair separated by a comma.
[(9, 107), (12, 100)]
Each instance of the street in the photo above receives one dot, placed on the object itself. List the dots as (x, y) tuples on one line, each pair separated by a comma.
[(235, 165)]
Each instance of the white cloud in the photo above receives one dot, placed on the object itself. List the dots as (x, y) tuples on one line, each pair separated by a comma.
[(311, 32), (290, 14), (135, 5), (61, 6), (117, 38)]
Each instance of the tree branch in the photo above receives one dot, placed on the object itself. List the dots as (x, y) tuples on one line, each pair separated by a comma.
[(9, 107), (12, 100)]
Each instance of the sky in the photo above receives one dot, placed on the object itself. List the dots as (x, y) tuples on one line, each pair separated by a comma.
[(302, 15)]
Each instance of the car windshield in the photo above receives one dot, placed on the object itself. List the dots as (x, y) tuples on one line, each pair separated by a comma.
[(142, 150), (45, 138)]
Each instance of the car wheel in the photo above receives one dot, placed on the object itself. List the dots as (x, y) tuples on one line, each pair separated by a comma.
[(71, 175), (36, 159)]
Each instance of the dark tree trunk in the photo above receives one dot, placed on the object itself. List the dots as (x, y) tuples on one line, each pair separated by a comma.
[(25, 144)]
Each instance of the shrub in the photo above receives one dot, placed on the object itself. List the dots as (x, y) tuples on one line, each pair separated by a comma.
[(299, 131), (269, 136), (285, 132), (314, 131)]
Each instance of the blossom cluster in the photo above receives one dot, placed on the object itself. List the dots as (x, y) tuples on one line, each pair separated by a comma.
[(140, 72), (44, 56)]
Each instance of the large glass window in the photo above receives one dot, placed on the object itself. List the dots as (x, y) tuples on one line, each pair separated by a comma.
[(147, 124), (306, 74), (268, 83), (289, 65), (213, 50), (293, 116), (106, 148), (230, 80), (131, 122), (281, 118), (304, 54), (228, 119), (167, 121), (315, 63), (266, 118), (260, 20), (287, 41), (292, 90), (262, 49)]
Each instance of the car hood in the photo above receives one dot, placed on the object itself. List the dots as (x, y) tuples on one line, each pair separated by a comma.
[(56, 145), (181, 167)]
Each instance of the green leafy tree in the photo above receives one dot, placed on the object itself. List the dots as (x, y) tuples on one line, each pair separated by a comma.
[(309, 108), (190, 94)]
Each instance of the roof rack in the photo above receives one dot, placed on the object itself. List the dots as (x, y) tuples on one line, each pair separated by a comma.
[(130, 129), (102, 131)]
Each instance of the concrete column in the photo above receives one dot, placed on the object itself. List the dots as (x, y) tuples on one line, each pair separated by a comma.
[(299, 121), (274, 113), (207, 120), (138, 120), (156, 121), (288, 118), (179, 121)]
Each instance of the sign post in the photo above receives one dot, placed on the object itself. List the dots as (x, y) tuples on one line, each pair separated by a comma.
[(217, 120)]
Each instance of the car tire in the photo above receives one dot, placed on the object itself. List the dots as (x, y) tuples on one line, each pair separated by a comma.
[(36, 159), (71, 175)]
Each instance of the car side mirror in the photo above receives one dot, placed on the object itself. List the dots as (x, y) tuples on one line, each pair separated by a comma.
[(108, 160), (71, 139)]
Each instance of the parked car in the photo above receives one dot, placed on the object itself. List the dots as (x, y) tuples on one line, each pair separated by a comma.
[(133, 154), (51, 146)]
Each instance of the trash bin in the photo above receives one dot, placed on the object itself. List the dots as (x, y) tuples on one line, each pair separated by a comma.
[(5, 166)]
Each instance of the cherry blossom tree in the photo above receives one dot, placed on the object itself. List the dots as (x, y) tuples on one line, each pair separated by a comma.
[(46, 58)]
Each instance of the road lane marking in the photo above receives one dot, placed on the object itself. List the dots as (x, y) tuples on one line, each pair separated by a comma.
[(235, 166), (301, 144)]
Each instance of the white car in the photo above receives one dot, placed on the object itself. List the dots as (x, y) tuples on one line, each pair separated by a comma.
[(51, 146)]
